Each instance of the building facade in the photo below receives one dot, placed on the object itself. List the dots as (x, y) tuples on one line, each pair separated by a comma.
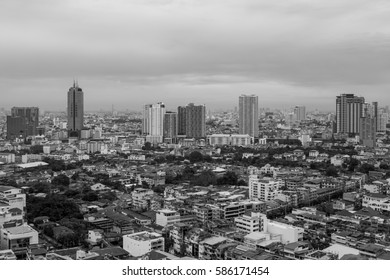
[(349, 110), (249, 115), (170, 125), (75, 110), (153, 121), (23, 122)]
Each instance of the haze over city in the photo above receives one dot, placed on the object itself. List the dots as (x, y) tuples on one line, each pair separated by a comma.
[(130, 53)]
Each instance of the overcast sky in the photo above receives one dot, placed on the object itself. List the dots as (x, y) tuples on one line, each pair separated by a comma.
[(129, 53)]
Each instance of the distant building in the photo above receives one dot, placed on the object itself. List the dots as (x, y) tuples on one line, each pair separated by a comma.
[(300, 113), (368, 125), (251, 222), (263, 188), (230, 139), (349, 110), (23, 122), (249, 115), (153, 122), (170, 125), (75, 111), (192, 121)]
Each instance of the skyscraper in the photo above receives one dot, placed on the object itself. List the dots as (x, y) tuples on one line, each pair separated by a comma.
[(75, 110), (249, 115), (349, 110), (170, 125), (368, 125), (195, 121), (23, 122), (300, 113), (153, 122), (192, 121), (181, 120)]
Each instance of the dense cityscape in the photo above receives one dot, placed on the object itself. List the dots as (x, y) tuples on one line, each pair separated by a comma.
[(248, 183)]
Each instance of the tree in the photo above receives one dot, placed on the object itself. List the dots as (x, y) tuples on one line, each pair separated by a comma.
[(56, 207), (331, 171), (147, 147), (206, 178), (384, 166), (61, 180), (195, 156), (365, 168), (353, 163), (90, 196), (230, 178)]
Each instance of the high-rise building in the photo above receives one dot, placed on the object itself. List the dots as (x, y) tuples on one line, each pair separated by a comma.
[(349, 110), (23, 122), (195, 121), (153, 122), (75, 110), (170, 125), (383, 119), (300, 113), (249, 115), (368, 125), (181, 120), (191, 121)]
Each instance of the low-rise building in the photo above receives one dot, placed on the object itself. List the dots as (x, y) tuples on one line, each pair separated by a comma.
[(141, 243)]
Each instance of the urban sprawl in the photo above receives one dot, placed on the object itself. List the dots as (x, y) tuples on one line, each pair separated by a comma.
[(249, 183)]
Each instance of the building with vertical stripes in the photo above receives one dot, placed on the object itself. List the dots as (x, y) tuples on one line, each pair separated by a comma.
[(349, 110), (249, 115), (75, 110)]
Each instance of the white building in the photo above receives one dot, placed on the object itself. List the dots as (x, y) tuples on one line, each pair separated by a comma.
[(253, 222), (288, 233), (140, 243), (230, 139), (153, 122), (263, 188), (139, 197), (7, 157), (14, 197), (20, 237), (376, 201), (166, 217)]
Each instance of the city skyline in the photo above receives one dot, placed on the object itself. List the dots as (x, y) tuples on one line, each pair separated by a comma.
[(307, 53)]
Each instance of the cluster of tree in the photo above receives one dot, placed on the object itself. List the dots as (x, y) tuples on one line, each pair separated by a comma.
[(61, 180), (56, 207), (208, 177)]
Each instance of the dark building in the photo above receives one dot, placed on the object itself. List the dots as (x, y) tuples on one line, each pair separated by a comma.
[(75, 110), (195, 120), (349, 111), (23, 122), (181, 120), (170, 125), (368, 125)]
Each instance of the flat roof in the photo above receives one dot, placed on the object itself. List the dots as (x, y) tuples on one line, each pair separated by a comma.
[(32, 164), (20, 229)]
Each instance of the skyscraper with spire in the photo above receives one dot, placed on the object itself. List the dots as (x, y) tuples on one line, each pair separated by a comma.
[(75, 110)]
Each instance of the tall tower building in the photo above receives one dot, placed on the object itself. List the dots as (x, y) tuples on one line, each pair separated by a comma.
[(368, 125), (75, 110), (249, 115), (170, 125), (23, 122), (195, 121), (153, 122), (300, 113), (181, 120), (191, 121), (349, 110)]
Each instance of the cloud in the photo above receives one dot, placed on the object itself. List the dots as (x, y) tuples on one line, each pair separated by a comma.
[(299, 45)]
